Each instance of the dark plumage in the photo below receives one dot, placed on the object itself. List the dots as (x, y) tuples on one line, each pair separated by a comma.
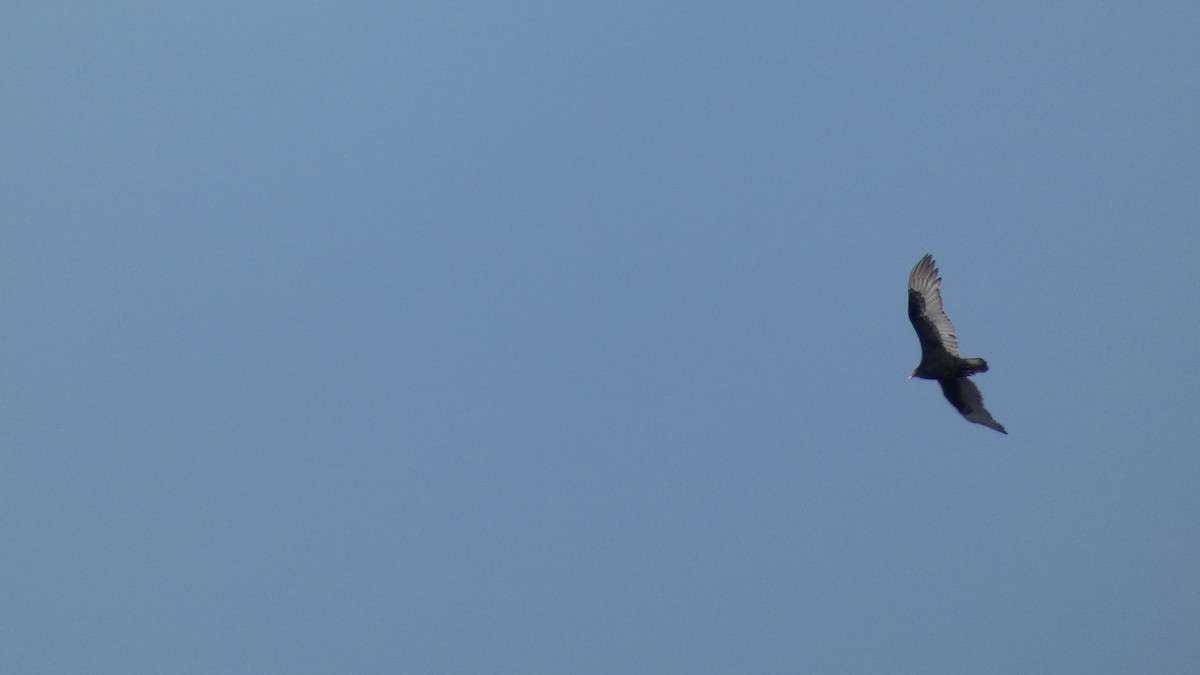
[(939, 348)]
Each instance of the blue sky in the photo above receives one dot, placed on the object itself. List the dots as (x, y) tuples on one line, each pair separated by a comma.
[(530, 337)]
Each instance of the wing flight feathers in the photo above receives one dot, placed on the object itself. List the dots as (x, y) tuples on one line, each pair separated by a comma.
[(965, 397), (925, 308)]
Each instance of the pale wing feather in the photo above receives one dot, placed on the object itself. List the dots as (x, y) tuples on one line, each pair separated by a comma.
[(924, 281)]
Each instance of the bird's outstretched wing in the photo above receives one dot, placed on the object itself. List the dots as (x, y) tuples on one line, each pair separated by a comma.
[(964, 395), (934, 329)]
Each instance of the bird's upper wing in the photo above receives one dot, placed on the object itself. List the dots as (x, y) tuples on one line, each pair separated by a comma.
[(925, 308), (964, 395)]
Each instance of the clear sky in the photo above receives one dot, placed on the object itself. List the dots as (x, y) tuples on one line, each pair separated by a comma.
[(570, 337)]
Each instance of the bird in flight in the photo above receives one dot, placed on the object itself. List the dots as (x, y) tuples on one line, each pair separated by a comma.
[(939, 348)]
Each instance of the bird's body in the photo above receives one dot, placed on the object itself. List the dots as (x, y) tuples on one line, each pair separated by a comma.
[(939, 346)]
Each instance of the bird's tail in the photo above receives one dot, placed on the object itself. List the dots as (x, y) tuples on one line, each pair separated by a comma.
[(972, 366)]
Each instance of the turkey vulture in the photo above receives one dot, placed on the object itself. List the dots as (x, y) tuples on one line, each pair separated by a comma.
[(939, 348)]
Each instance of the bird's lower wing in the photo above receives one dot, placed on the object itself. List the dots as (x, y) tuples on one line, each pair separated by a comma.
[(965, 397)]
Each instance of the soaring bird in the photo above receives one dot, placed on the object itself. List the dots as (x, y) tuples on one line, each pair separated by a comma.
[(939, 348)]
